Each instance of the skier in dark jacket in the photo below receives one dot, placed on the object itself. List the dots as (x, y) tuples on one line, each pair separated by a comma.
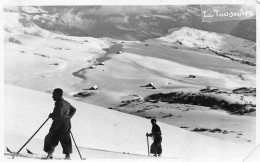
[(60, 128), (156, 147)]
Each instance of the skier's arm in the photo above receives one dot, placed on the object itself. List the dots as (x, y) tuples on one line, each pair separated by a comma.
[(149, 134), (72, 111)]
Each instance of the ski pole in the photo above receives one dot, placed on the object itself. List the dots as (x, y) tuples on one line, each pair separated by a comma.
[(76, 145), (30, 138), (148, 144)]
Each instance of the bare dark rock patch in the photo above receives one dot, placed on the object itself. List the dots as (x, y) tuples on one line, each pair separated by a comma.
[(201, 99)]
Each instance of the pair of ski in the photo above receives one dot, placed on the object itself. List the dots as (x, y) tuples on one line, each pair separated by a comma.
[(17, 153), (29, 155)]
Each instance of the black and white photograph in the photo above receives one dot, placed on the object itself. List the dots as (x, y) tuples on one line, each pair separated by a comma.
[(163, 81)]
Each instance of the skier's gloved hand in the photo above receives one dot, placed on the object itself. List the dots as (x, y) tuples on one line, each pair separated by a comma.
[(149, 134), (50, 115)]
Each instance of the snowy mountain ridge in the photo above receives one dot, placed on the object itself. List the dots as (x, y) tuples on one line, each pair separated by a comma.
[(31, 10), (228, 45), (76, 21), (153, 22)]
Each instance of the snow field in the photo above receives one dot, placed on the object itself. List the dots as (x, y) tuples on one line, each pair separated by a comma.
[(100, 128)]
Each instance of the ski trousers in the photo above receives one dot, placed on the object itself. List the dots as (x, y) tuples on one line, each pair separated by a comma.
[(156, 147), (59, 132)]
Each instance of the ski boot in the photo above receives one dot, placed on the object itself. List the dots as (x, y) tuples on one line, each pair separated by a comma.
[(67, 157), (48, 157)]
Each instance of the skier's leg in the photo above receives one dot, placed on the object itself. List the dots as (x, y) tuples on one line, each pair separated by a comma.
[(66, 143), (49, 145), (66, 146), (153, 149), (159, 146), (159, 150), (65, 139)]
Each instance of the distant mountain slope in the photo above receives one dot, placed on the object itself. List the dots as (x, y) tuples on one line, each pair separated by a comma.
[(222, 44), (97, 127), (29, 16), (89, 21), (245, 29), (144, 24)]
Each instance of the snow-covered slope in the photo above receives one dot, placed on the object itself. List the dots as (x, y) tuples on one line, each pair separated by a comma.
[(38, 59), (227, 45), (100, 128), (48, 59)]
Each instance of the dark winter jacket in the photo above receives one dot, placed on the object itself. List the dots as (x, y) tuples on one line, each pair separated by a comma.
[(61, 114), (156, 131), (62, 110), (60, 128)]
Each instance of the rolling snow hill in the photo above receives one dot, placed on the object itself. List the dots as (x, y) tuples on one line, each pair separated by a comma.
[(100, 128)]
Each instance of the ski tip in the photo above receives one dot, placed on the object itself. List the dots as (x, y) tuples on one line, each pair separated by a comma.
[(28, 151), (8, 150)]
